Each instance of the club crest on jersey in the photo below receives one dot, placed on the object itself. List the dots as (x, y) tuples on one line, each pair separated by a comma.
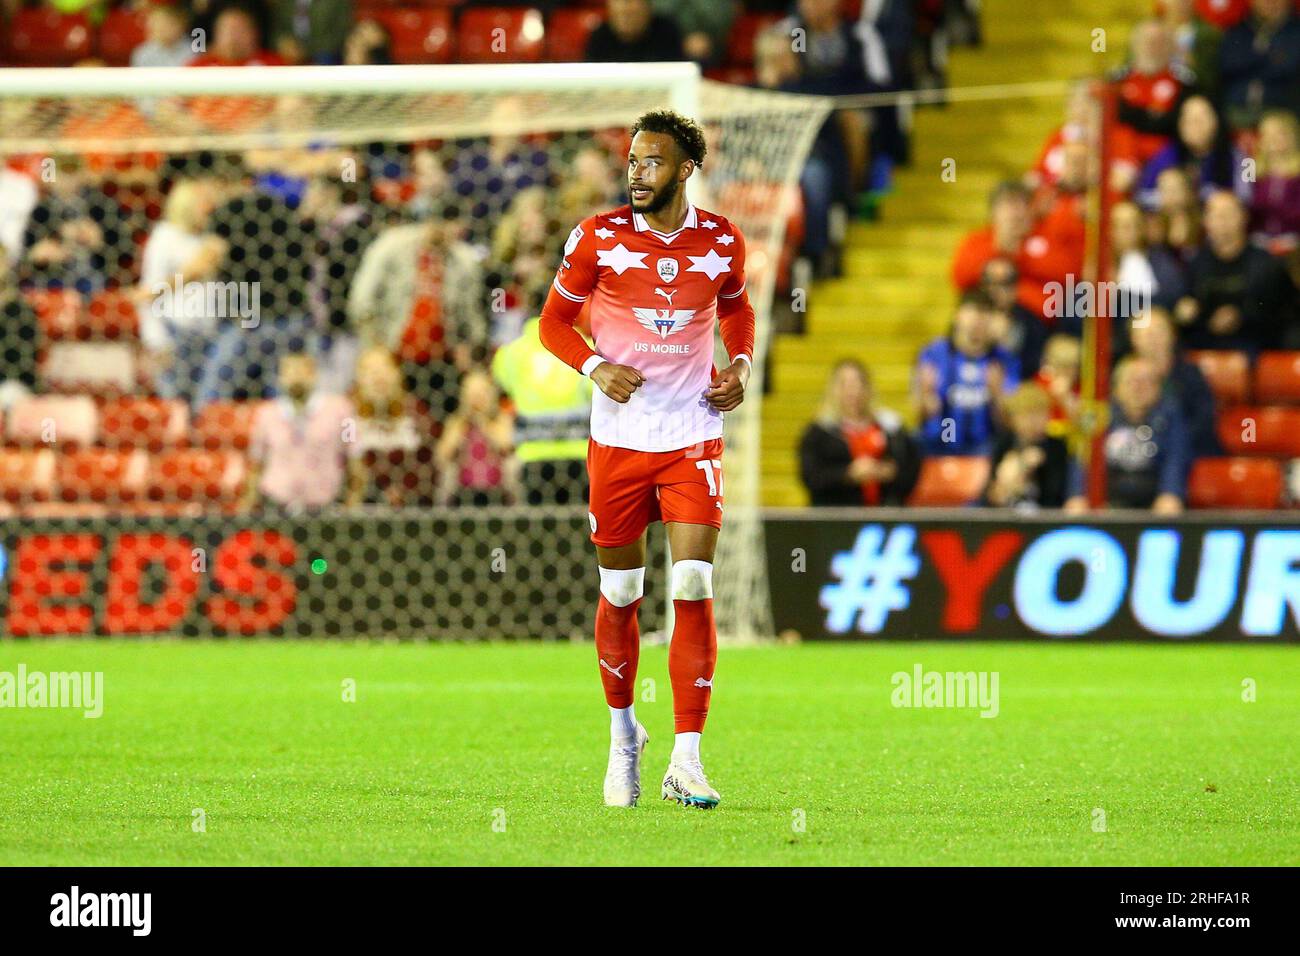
[(667, 269), (664, 322)]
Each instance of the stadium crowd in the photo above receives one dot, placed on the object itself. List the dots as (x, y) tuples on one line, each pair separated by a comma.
[(398, 306), (408, 293), (1204, 264)]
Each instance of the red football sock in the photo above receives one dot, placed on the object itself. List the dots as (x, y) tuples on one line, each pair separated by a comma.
[(691, 659), (618, 646)]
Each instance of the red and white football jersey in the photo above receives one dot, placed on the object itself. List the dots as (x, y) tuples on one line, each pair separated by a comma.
[(655, 298)]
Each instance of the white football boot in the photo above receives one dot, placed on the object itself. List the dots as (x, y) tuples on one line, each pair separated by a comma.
[(623, 775), (685, 782)]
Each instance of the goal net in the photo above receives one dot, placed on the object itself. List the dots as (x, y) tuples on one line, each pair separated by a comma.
[(188, 248)]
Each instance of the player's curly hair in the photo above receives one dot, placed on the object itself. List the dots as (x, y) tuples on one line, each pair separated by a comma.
[(686, 133)]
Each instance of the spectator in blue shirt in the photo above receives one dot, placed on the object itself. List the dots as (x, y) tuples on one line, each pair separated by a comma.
[(1146, 446), (960, 382)]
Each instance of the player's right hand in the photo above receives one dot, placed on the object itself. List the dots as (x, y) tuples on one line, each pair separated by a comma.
[(617, 381)]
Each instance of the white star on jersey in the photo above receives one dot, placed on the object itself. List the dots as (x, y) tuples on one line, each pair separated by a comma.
[(725, 239), (618, 220), (603, 233), (620, 259), (709, 224), (712, 265)]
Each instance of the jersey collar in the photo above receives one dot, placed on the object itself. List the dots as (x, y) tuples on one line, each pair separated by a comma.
[(690, 222)]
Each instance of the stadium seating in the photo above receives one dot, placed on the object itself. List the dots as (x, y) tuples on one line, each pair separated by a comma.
[(566, 34), (149, 423), (100, 368), (120, 33), (69, 420), (57, 310), (205, 479), (367, 4), (950, 481), (418, 36), (1228, 373), (740, 48), (1252, 483), (1260, 430), (1277, 378), (40, 37), (110, 315), (26, 475), (101, 475), (225, 425), (500, 35)]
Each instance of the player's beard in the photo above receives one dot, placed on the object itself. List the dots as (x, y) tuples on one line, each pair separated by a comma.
[(658, 200)]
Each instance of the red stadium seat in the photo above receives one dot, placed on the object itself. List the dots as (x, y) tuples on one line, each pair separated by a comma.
[(1227, 372), (740, 46), (567, 32), (71, 509), (120, 33), (734, 75), (26, 475), (57, 310), (47, 38), (61, 420), (1260, 430), (950, 481), (500, 35), (1277, 378), (101, 475), (1254, 483), (103, 368), (225, 425), (112, 315), (211, 479), (418, 36), (149, 423)]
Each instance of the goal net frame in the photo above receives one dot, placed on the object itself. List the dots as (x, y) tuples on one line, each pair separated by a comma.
[(613, 94)]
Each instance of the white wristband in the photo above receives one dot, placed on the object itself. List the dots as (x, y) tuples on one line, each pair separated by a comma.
[(590, 365), (746, 359)]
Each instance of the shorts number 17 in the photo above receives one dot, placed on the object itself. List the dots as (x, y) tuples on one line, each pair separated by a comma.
[(708, 466)]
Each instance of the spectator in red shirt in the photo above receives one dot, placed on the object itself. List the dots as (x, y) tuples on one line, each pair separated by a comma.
[(1222, 13), (1051, 158), (235, 42), (1040, 255), (1151, 88)]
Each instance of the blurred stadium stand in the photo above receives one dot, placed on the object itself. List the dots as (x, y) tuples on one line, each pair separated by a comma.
[(888, 296)]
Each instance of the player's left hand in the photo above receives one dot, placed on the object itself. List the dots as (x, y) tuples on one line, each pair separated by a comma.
[(728, 387)]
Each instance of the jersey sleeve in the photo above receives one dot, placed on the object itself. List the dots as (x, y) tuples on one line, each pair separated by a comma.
[(735, 314), (574, 282)]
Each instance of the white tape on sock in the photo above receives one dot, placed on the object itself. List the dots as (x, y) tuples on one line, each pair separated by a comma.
[(692, 580), (621, 588)]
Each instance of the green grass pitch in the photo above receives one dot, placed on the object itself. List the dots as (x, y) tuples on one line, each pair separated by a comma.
[(494, 754)]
